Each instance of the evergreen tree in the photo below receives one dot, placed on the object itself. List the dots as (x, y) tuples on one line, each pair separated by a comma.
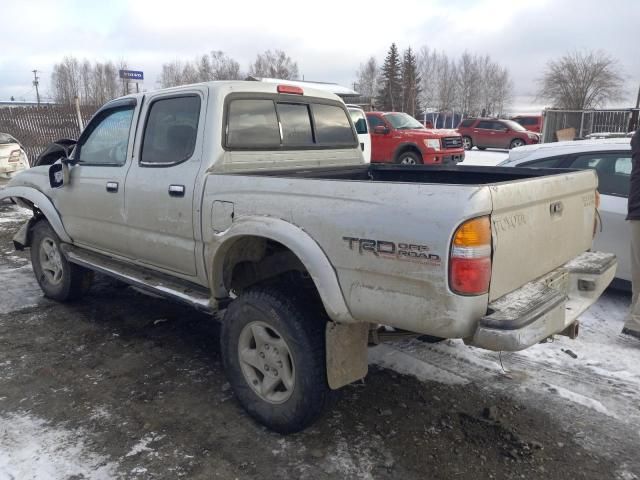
[(390, 93), (410, 83)]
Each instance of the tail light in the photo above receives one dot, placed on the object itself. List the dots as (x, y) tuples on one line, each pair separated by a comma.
[(470, 258), (14, 156)]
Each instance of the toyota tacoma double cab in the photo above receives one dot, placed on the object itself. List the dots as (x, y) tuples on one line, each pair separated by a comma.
[(399, 138), (252, 201)]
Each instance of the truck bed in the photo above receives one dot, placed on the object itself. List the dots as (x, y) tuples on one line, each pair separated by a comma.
[(453, 175)]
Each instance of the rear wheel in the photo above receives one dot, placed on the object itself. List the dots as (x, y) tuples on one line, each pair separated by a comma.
[(516, 142), (58, 278), (409, 158), (467, 143), (273, 350), (481, 148)]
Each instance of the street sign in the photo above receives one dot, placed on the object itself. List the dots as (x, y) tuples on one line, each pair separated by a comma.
[(131, 75)]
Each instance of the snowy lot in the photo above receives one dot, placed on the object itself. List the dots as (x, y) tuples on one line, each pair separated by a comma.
[(121, 385)]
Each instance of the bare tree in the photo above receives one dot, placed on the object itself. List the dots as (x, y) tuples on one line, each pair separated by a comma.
[(224, 67), (427, 67), (580, 80), (276, 64), (469, 79), (446, 83), (367, 78), (215, 66)]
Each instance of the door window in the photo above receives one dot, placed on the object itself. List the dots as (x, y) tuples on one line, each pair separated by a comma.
[(171, 130), (359, 120), (543, 163), (108, 138), (375, 121), (485, 124), (613, 169)]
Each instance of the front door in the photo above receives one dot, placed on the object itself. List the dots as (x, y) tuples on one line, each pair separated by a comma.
[(381, 143), (92, 203), (162, 209)]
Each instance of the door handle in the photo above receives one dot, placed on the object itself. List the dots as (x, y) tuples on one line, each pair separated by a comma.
[(176, 190), (112, 187)]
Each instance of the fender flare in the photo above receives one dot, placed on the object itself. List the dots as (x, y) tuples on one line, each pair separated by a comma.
[(300, 243), (42, 203)]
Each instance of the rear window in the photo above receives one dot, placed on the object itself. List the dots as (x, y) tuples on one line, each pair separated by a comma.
[(253, 123), (466, 123), (332, 125), (359, 120)]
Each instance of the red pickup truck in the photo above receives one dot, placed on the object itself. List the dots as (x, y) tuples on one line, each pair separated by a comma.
[(399, 138)]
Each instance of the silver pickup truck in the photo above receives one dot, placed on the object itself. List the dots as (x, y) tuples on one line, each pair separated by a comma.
[(253, 200)]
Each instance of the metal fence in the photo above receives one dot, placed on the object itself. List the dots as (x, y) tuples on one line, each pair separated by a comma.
[(580, 123), (36, 127)]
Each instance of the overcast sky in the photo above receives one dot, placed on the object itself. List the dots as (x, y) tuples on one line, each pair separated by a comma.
[(328, 38)]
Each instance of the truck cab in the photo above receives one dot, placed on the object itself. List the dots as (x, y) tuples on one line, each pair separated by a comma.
[(399, 138)]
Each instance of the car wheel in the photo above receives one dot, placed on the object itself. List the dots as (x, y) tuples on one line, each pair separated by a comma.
[(58, 278), (409, 158), (467, 143), (516, 142), (273, 351), (481, 148)]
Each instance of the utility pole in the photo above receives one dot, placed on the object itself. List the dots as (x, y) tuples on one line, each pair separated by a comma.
[(36, 83)]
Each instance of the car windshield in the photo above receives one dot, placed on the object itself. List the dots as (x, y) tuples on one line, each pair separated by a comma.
[(514, 126), (402, 121), (6, 138)]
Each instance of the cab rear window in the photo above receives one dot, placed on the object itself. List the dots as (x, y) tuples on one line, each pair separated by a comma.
[(256, 123)]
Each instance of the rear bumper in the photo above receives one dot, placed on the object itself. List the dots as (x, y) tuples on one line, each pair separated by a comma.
[(545, 306)]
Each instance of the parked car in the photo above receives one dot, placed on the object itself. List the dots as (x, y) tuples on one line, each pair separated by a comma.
[(362, 129), (399, 138), (274, 218), (611, 159), (13, 158), (533, 123), (494, 133)]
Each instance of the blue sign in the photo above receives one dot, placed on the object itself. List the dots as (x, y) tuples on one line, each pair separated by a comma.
[(132, 74)]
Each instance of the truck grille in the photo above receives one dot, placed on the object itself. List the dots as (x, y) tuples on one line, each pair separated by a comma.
[(452, 142)]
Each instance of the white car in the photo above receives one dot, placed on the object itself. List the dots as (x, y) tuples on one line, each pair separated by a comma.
[(362, 129), (13, 158), (611, 159)]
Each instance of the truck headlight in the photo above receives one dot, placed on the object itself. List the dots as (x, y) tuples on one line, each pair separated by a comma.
[(432, 143)]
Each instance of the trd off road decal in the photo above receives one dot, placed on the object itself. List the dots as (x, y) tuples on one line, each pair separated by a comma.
[(400, 251)]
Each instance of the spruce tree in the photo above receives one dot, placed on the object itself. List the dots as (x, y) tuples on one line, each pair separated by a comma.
[(410, 83), (390, 93)]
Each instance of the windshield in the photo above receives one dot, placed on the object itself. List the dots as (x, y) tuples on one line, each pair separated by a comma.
[(6, 138), (514, 126), (402, 121)]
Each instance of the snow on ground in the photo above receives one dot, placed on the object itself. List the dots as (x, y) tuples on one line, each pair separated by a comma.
[(484, 157), (30, 448)]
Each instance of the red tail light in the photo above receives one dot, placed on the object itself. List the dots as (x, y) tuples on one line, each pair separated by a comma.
[(290, 89), (470, 258)]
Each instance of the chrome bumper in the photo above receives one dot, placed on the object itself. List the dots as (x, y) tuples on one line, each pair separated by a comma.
[(546, 306)]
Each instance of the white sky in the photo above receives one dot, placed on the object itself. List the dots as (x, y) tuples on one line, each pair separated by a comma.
[(328, 39)]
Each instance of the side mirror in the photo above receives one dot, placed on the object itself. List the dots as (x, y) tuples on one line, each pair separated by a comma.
[(381, 130), (59, 173)]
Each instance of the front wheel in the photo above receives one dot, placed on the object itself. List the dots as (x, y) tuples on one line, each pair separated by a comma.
[(467, 143), (273, 351), (58, 278), (516, 142), (409, 158)]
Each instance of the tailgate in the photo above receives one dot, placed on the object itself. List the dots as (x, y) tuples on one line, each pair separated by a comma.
[(539, 224)]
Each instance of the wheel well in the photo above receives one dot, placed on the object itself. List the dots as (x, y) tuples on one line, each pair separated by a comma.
[(408, 148), (252, 260)]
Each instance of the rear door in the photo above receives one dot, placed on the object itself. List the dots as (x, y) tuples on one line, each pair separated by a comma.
[(162, 210), (483, 134), (538, 224), (614, 171)]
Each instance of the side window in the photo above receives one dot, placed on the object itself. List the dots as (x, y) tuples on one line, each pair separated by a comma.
[(543, 163), (359, 121), (613, 169), (108, 141), (332, 125), (171, 130), (498, 126), (487, 125), (296, 124), (252, 123), (375, 121), (467, 123)]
